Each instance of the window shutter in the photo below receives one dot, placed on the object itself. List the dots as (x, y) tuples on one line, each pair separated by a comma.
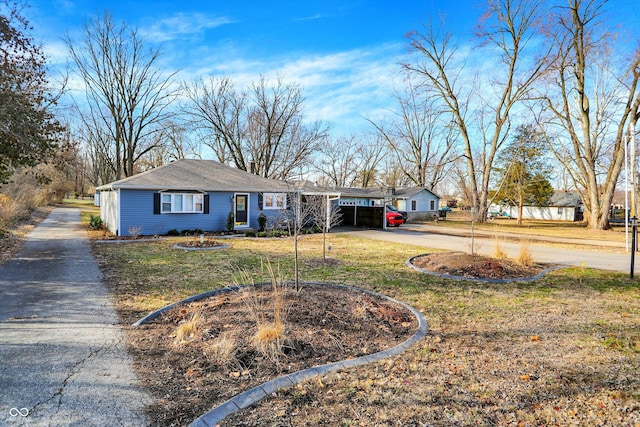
[(205, 208), (289, 200), (156, 203), (260, 201)]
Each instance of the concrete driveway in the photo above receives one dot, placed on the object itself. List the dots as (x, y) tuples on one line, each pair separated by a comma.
[(63, 358), (593, 256)]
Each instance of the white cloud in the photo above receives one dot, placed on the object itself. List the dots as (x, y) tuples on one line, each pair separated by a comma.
[(183, 24), (340, 87), (311, 18)]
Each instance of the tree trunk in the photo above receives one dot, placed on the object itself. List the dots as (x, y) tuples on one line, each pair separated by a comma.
[(520, 203)]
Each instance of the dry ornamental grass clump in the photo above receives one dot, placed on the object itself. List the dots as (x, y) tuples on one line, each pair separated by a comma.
[(525, 257), (269, 338), (188, 329), (498, 251), (221, 350)]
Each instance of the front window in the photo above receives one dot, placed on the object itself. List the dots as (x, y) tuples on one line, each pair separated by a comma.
[(414, 205), (432, 205), (182, 203), (275, 201)]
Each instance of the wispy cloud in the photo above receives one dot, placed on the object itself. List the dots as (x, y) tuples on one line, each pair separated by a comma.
[(311, 18), (183, 24), (340, 88)]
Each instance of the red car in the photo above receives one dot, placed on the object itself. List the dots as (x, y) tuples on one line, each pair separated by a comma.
[(394, 218)]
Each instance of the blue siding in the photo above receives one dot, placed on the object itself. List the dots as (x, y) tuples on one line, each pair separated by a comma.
[(423, 209), (136, 211), (255, 211)]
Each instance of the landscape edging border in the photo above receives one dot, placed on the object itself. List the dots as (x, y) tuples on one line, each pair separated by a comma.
[(480, 279), (211, 248), (255, 394)]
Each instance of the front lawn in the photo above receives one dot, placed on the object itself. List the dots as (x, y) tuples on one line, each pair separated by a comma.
[(564, 350)]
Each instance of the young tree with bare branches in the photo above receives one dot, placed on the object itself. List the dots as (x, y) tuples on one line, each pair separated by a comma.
[(325, 213)]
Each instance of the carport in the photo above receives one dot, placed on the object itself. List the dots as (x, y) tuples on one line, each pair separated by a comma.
[(363, 207)]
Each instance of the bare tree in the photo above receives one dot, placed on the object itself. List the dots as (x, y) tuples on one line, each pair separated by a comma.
[(262, 126), (325, 214), (219, 111), (594, 100), (339, 162), (171, 144), (420, 136), (99, 151), (349, 162), (506, 30), (127, 94), (392, 173)]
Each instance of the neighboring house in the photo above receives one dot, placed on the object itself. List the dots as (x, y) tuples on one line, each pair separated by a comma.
[(189, 194), (420, 203), (563, 206)]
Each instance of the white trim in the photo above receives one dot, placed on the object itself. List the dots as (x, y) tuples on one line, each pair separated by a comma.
[(119, 219), (235, 210), (275, 197), (173, 196)]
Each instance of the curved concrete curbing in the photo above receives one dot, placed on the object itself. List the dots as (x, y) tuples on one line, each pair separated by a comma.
[(212, 248), (254, 395), (477, 279)]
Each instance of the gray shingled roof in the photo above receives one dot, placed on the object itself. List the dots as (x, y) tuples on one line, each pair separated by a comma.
[(565, 199), (407, 192), (202, 175)]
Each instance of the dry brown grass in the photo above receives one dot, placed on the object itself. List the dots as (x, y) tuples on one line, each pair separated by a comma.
[(222, 349), (498, 251), (481, 363), (461, 220), (525, 257), (189, 329), (10, 211), (269, 338)]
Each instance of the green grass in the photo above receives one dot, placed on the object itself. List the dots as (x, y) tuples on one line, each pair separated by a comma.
[(576, 331), (86, 208), (149, 274)]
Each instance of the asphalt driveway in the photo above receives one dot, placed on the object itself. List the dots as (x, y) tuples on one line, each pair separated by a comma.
[(592, 256), (62, 356)]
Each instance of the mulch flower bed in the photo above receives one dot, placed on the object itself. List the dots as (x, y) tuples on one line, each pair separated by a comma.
[(475, 266), (190, 374)]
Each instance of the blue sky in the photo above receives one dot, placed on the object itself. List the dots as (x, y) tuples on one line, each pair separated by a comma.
[(345, 54)]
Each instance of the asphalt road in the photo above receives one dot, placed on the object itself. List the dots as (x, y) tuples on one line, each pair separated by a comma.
[(63, 359), (483, 244)]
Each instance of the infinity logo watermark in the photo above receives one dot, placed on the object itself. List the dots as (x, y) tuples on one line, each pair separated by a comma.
[(15, 412)]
